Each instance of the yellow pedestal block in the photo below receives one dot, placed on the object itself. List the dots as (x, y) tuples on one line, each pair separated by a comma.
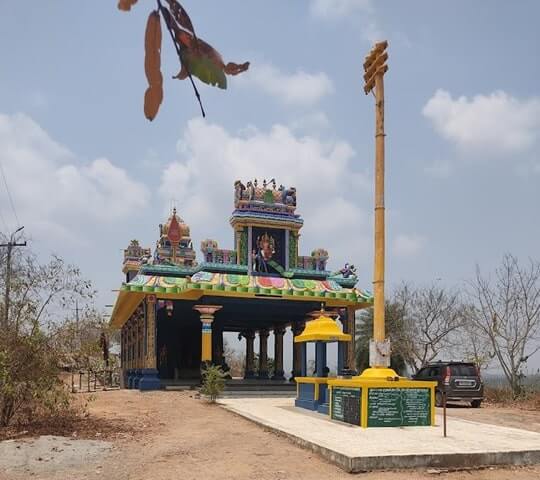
[(381, 398)]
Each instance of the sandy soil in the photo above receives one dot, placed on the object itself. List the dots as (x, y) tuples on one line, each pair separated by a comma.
[(172, 435)]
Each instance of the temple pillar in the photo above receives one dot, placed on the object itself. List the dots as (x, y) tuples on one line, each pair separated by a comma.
[(303, 359), (129, 352), (320, 359), (207, 317), (249, 371), (137, 359), (149, 373), (351, 317), (279, 374), (341, 351), (297, 329), (349, 326), (263, 354)]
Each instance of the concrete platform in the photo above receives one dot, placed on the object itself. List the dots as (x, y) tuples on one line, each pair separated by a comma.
[(355, 449)]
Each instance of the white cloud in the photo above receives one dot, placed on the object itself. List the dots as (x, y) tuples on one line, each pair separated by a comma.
[(408, 245), (339, 8), (359, 10), (299, 88), (54, 193), (211, 159), (497, 123)]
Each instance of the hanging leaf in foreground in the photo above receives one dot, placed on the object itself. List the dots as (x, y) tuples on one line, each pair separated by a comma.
[(125, 5), (197, 58), (200, 59), (152, 66)]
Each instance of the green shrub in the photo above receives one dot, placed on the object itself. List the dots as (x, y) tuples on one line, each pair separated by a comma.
[(213, 382)]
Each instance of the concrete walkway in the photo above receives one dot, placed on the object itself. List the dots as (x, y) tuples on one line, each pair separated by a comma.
[(468, 444)]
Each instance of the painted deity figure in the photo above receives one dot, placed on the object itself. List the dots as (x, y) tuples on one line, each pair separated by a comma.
[(239, 189), (264, 253), (348, 271)]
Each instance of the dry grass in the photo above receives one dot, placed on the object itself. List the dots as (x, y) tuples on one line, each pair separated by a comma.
[(75, 421), (502, 396)]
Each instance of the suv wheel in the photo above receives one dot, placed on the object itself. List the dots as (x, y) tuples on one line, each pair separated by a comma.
[(438, 399), (476, 403)]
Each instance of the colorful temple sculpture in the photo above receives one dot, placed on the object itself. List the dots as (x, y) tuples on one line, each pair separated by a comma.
[(173, 311)]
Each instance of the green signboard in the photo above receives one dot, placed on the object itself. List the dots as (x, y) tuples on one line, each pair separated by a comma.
[(399, 407), (346, 405)]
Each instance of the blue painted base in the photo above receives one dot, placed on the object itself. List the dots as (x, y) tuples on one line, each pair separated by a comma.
[(323, 408), (262, 375), (149, 379), (130, 376), (135, 379), (307, 404)]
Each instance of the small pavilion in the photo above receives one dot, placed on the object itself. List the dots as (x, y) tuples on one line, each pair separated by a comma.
[(312, 391), (172, 310)]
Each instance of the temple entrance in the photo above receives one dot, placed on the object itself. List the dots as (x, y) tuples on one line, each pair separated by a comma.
[(178, 345)]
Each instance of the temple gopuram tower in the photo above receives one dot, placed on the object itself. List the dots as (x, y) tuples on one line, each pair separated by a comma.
[(174, 246)]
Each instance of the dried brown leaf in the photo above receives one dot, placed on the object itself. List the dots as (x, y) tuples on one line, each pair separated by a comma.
[(152, 100), (234, 68), (152, 66), (181, 16), (182, 74), (125, 5)]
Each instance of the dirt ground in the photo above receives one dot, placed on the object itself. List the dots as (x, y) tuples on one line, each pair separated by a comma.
[(173, 435)]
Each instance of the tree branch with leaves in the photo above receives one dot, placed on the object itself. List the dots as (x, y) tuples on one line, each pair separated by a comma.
[(197, 58)]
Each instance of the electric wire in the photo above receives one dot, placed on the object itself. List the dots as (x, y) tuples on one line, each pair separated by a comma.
[(9, 195), (4, 223)]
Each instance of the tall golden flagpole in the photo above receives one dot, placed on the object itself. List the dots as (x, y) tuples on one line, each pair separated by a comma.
[(375, 67)]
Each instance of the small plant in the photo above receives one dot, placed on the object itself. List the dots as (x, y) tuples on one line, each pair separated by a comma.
[(213, 382)]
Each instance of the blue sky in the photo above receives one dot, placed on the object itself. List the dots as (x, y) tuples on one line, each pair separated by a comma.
[(88, 172)]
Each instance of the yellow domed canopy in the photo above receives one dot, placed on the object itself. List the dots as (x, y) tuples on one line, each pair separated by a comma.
[(322, 329)]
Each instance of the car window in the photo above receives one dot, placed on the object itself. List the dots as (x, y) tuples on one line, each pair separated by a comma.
[(463, 370), (434, 371), (423, 373)]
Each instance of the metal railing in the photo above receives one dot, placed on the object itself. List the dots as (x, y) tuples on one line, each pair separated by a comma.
[(95, 380)]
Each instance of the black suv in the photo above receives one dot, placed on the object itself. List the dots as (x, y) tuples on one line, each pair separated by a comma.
[(460, 380)]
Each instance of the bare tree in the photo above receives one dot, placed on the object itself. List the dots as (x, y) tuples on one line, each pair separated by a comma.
[(429, 318), (507, 311), (472, 343)]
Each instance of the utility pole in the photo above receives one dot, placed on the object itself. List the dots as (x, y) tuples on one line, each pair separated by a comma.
[(10, 245), (375, 67)]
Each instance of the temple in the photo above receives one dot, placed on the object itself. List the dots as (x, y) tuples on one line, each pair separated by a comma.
[(173, 311)]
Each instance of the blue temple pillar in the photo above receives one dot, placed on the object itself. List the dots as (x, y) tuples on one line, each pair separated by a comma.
[(303, 359), (249, 371), (279, 374), (340, 357), (320, 359), (263, 354)]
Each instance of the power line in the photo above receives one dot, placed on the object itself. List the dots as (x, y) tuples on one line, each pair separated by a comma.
[(6, 228), (9, 195)]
